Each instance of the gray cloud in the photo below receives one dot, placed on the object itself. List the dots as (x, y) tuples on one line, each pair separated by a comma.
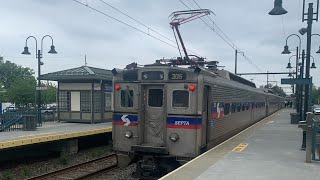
[(77, 31)]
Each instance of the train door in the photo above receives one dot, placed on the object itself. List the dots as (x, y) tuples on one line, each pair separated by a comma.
[(154, 98), (205, 114)]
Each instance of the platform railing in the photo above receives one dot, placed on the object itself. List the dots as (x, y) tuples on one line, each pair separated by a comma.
[(17, 120), (315, 140)]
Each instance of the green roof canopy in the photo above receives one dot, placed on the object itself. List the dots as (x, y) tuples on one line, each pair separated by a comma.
[(80, 73)]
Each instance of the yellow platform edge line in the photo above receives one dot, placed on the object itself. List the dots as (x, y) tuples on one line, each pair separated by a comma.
[(240, 147), (51, 137)]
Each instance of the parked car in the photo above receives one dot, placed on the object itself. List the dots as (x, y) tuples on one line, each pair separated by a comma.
[(316, 111), (48, 110)]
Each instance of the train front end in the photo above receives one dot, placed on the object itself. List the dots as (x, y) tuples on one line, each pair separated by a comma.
[(157, 116)]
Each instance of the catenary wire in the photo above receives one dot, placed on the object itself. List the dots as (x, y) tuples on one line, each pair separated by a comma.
[(135, 28), (230, 43)]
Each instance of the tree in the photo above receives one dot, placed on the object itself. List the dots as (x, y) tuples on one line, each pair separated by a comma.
[(315, 95), (22, 91), (275, 89), (10, 71), (49, 95)]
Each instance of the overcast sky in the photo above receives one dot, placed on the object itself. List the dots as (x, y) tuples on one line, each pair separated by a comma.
[(78, 30)]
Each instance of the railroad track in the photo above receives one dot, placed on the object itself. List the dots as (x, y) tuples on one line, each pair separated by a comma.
[(82, 171)]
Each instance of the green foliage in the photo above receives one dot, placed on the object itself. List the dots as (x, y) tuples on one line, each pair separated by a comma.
[(25, 171), (64, 158), (22, 91), (48, 96), (17, 85), (275, 89), (10, 71), (6, 176), (315, 95)]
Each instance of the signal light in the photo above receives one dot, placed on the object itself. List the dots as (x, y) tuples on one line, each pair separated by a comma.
[(117, 86), (192, 87)]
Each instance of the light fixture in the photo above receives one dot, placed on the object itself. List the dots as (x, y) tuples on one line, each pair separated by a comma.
[(174, 137), (278, 9), (128, 134), (192, 87), (290, 74), (289, 66), (52, 50), (313, 66), (26, 51), (302, 31), (117, 86), (286, 50)]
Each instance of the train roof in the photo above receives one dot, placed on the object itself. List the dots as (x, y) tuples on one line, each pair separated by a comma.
[(221, 76)]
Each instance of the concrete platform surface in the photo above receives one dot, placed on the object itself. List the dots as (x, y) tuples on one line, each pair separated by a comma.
[(269, 150), (51, 131)]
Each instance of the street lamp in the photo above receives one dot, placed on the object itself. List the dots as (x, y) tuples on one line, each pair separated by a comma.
[(278, 9), (39, 56)]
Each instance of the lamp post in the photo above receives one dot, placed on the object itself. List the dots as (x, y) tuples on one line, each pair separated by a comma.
[(287, 51), (39, 53), (310, 18)]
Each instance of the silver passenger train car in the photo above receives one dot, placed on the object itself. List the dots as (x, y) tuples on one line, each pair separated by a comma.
[(163, 111)]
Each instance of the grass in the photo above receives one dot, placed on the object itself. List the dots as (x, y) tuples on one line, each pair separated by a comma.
[(64, 158)]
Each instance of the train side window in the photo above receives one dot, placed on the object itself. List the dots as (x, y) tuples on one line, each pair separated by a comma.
[(155, 98), (226, 108), (233, 107), (238, 107), (180, 99), (126, 98), (247, 106)]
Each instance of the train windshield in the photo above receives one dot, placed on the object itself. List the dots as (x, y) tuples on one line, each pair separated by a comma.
[(180, 99), (155, 98), (126, 98)]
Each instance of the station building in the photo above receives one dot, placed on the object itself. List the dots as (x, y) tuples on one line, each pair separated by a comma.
[(84, 94)]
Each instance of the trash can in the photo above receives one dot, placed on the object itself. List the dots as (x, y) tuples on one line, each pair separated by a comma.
[(30, 122), (295, 117)]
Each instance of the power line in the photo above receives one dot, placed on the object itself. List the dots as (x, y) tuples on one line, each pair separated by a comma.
[(229, 42), (139, 30), (123, 23), (136, 20)]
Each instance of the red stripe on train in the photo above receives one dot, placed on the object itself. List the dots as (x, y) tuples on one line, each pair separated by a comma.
[(121, 123), (183, 126)]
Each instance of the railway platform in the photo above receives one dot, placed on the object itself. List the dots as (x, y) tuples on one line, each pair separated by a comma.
[(267, 150), (50, 132)]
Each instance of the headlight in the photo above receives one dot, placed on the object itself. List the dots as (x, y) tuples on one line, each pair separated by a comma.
[(128, 134), (174, 137)]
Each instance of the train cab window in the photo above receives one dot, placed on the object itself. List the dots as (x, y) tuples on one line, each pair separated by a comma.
[(226, 108), (155, 98), (180, 99), (126, 98)]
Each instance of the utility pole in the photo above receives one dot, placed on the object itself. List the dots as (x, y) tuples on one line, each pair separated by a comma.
[(236, 60), (268, 79), (85, 60)]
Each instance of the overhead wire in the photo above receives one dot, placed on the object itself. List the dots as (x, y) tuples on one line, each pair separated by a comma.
[(228, 41), (131, 26)]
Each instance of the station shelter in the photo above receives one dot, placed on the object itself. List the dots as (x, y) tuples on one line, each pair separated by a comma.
[(84, 94)]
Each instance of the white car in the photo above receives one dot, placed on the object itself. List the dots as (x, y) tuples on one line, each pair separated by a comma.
[(316, 111)]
